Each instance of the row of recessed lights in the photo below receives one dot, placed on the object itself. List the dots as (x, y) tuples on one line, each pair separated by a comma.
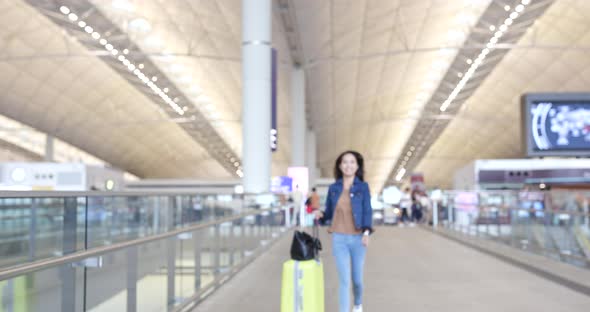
[(136, 70), (236, 163), (402, 170), (466, 76), (484, 53)]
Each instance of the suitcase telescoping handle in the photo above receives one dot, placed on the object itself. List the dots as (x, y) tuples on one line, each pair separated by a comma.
[(316, 238)]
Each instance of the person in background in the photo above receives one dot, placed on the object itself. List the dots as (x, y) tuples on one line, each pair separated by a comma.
[(405, 204), (416, 209), (312, 203), (315, 199), (297, 205), (348, 207)]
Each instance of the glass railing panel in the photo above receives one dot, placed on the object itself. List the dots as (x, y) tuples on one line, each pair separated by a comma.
[(106, 286), (152, 279), (54, 289), (39, 228), (554, 224), (150, 276)]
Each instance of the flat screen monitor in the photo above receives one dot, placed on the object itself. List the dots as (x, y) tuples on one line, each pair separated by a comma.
[(556, 124)]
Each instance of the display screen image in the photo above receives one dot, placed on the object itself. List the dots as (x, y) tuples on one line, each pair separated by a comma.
[(557, 126)]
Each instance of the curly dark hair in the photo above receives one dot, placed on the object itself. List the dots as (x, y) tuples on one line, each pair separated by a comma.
[(359, 160)]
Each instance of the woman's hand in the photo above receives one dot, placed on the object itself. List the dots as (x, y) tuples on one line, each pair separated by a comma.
[(318, 214), (366, 240)]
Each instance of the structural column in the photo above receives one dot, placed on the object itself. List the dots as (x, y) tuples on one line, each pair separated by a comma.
[(49, 150), (311, 160), (298, 127), (256, 95)]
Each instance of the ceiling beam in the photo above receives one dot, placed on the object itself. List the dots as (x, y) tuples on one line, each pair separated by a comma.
[(207, 137), (427, 131)]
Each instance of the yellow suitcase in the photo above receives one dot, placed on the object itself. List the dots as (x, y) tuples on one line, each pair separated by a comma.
[(303, 286)]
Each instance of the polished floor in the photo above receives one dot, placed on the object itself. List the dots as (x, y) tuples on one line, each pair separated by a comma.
[(407, 269)]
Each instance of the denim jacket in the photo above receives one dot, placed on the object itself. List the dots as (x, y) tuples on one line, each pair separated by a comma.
[(360, 199)]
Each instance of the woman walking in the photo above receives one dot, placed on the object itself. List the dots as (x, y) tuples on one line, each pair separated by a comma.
[(348, 210)]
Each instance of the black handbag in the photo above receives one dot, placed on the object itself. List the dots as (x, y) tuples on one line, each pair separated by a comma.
[(306, 247)]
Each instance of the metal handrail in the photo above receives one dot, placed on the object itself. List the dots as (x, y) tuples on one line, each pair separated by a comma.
[(54, 194), (572, 213), (531, 247), (19, 270)]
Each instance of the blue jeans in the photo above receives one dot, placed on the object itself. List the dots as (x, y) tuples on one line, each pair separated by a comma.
[(348, 249)]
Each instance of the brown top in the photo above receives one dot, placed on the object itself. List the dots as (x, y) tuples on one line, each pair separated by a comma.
[(315, 201), (343, 221)]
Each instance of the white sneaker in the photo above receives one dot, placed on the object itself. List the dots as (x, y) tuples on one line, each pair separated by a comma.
[(358, 308)]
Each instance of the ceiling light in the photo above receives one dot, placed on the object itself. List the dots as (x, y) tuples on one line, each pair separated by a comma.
[(175, 100), (498, 34), (186, 79), (455, 35), (412, 148), (445, 51), (140, 66), (428, 85), (130, 66), (64, 10), (126, 51), (421, 96), (469, 61), (494, 40), (513, 15), (507, 8), (236, 164), (142, 26), (503, 28), (439, 65), (508, 21), (400, 174), (460, 75), (154, 79), (153, 42), (492, 27), (526, 2), (124, 5), (185, 108), (519, 8)]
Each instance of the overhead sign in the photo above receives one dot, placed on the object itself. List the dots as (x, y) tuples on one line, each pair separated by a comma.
[(417, 181), (274, 129), (556, 124), (281, 185)]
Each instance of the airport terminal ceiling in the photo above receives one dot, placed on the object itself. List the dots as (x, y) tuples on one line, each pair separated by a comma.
[(376, 74)]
